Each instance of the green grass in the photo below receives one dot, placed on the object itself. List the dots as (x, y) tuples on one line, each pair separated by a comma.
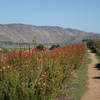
[(79, 83)]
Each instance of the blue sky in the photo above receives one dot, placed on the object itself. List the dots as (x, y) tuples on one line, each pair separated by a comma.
[(77, 14)]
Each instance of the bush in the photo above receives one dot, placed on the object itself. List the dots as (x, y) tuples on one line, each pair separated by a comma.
[(40, 47), (4, 50), (94, 45), (54, 46)]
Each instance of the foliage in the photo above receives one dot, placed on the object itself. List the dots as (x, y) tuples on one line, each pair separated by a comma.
[(54, 46), (37, 75), (40, 47), (4, 50), (94, 45)]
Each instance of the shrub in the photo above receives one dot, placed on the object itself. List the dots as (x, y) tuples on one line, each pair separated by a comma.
[(4, 50), (94, 45), (40, 47), (54, 46)]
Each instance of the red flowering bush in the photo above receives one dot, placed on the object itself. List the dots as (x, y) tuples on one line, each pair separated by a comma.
[(37, 75)]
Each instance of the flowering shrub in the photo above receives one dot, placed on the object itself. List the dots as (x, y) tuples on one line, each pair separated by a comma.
[(37, 75)]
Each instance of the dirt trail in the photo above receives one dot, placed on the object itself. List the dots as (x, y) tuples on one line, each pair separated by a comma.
[(93, 92)]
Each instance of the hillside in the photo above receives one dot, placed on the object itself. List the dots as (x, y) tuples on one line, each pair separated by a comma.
[(44, 34)]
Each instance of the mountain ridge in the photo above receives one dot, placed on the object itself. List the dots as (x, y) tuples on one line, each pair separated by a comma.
[(44, 34)]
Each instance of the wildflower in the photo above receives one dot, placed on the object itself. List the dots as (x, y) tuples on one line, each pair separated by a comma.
[(53, 89), (23, 84), (0, 70), (44, 84), (52, 80), (43, 75), (31, 71), (39, 83), (4, 68), (27, 66), (41, 88), (14, 70), (8, 66), (37, 71)]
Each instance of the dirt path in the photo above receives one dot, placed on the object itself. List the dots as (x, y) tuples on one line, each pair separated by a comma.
[(93, 92)]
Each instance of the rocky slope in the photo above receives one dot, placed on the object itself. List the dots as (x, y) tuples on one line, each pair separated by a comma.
[(44, 34)]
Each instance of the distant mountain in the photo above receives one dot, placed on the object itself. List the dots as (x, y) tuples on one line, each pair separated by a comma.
[(44, 34)]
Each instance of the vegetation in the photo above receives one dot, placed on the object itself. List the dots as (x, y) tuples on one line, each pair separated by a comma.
[(13, 43), (3, 49), (38, 75), (94, 45), (40, 47), (79, 83), (54, 46)]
